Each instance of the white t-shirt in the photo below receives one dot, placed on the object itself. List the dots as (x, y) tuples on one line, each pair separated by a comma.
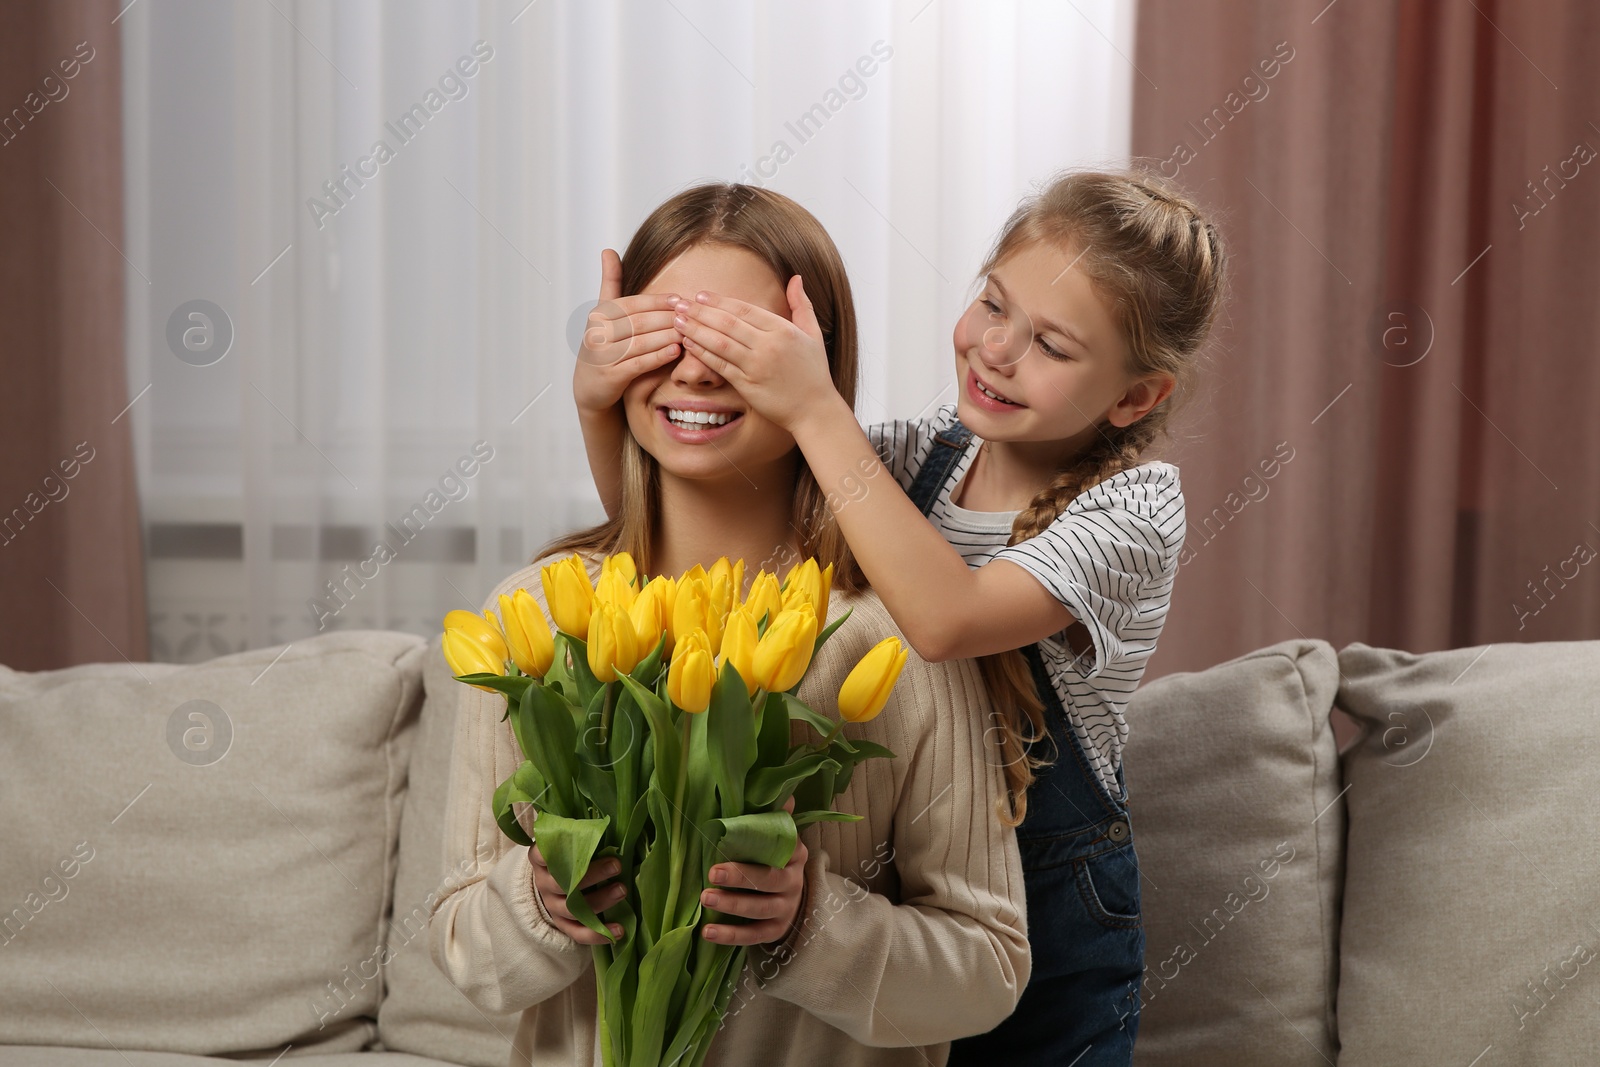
[(1110, 557)]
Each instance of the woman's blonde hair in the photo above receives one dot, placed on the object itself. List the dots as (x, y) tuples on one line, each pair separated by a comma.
[(789, 239), (1159, 264)]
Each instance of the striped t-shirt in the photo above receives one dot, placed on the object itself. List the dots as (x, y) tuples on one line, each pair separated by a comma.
[(1110, 557)]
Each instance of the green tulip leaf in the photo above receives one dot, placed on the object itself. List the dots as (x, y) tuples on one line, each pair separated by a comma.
[(647, 765), (700, 794), (531, 782), (659, 972), (619, 983), (847, 770), (817, 792), (868, 750), (799, 709), (772, 734), (568, 847), (663, 731), (806, 818), (578, 666), (591, 713), (503, 815), (772, 785), (559, 676), (655, 871), (827, 631), (710, 976), (690, 911), (625, 744), (595, 780), (597, 786), (634, 827), (551, 741), (767, 838), (849, 758), (513, 705), (731, 738), (511, 685), (648, 670)]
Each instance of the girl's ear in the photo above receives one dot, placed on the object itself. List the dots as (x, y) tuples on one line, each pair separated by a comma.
[(1141, 396)]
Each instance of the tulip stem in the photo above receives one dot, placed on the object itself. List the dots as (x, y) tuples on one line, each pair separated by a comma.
[(833, 733), (605, 715), (676, 881)]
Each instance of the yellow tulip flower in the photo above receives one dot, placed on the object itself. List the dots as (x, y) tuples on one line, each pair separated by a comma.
[(532, 645), (721, 595), (739, 646), (725, 596), (623, 564), (784, 651), (616, 588), (691, 676), (668, 592), (866, 689), (467, 656), (569, 595), (806, 580), (613, 643), (765, 598), (693, 608), (482, 629), (650, 615)]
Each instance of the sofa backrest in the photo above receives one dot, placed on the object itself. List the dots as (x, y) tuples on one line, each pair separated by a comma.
[(226, 858), (1233, 787), (199, 858), (1472, 907)]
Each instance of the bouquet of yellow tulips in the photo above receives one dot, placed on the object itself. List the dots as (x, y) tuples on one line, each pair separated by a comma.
[(654, 720)]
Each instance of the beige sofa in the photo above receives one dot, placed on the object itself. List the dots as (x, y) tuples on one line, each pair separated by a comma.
[(234, 860)]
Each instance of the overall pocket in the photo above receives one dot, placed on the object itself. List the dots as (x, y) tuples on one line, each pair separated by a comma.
[(1090, 875), (1108, 881)]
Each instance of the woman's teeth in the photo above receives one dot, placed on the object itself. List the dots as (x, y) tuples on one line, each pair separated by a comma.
[(991, 393), (693, 420)]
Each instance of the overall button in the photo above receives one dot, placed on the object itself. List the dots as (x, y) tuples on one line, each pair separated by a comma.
[(1118, 831)]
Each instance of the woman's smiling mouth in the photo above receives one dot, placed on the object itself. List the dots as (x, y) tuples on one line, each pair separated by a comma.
[(694, 421)]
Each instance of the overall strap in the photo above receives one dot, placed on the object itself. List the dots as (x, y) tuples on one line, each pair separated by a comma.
[(939, 465)]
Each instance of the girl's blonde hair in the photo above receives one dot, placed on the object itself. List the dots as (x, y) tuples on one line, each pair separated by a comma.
[(789, 239), (1159, 264)]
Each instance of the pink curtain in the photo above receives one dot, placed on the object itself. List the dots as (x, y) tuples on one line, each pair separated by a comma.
[(1398, 441), (71, 559)]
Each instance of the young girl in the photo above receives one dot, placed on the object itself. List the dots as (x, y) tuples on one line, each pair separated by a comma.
[(883, 939), (1052, 548)]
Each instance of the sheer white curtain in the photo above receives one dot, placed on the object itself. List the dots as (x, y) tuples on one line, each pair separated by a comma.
[(389, 430)]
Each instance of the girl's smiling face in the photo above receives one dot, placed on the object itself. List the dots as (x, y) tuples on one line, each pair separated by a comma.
[(1041, 337), (746, 445)]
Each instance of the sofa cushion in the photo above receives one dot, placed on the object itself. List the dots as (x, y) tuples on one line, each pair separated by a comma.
[(422, 1011), (56, 1056), (1233, 788), (199, 858), (1472, 900)]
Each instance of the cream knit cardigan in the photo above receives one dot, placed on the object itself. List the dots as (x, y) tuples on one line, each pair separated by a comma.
[(913, 929)]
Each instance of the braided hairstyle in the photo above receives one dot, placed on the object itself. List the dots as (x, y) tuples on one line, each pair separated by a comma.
[(1159, 265)]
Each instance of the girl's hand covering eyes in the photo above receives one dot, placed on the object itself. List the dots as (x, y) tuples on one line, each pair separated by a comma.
[(778, 365), (626, 336)]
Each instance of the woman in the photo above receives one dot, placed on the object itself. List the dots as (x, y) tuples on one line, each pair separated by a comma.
[(886, 938)]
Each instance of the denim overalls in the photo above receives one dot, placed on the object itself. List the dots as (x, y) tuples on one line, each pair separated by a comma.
[(1081, 1005)]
